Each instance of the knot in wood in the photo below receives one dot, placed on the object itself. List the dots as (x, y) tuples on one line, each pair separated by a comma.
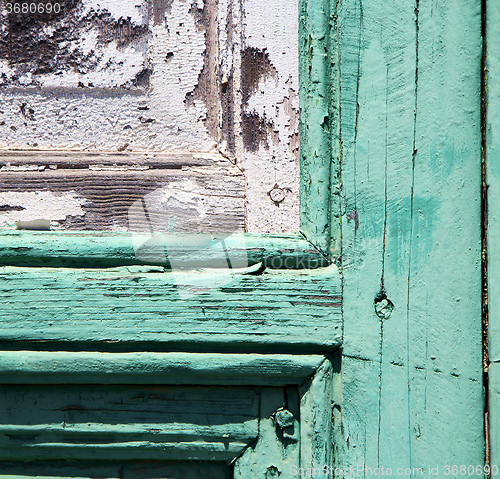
[(383, 308)]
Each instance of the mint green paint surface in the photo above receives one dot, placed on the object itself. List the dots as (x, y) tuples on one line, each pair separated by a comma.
[(319, 124), (100, 250), (492, 157), (411, 176)]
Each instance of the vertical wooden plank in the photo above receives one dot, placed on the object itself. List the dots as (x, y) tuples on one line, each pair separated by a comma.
[(492, 157), (320, 434), (269, 148), (412, 390), (319, 123)]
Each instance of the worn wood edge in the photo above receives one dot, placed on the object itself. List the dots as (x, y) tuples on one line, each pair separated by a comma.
[(67, 159), (134, 450), (319, 80), (61, 367), (100, 250), (321, 431), (492, 158)]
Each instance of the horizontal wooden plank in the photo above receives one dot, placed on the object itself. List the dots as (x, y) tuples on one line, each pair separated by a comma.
[(29, 160), (113, 470), (143, 422), (65, 367), (95, 191), (126, 308), (91, 249)]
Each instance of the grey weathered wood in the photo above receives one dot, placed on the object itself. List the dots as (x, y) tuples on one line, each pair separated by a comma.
[(106, 77), (181, 192), (412, 375), (60, 367), (141, 422), (116, 307)]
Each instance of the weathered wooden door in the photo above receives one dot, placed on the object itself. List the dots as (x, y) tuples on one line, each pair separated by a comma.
[(351, 349), (119, 358)]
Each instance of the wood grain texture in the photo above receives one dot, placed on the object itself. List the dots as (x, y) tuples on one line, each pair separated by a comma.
[(156, 76), (95, 191), (321, 430), (119, 307), (319, 124), (100, 250), (65, 367), (136, 422), (412, 379)]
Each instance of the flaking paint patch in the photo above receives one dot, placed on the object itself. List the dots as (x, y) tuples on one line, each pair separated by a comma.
[(89, 44), (269, 84), (207, 87), (39, 204), (103, 80)]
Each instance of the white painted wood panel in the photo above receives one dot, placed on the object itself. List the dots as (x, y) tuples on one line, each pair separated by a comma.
[(143, 77)]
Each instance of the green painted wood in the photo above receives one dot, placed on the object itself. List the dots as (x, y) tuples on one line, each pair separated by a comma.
[(494, 415), (493, 174), (114, 470), (92, 249), (122, 308), (412, 379), (40, 422), (63, 367), (492, 158), (319, 98), (321, 430), (277, 451)]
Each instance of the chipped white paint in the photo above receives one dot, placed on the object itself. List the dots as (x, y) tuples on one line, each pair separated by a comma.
[(61, 110), (272, 27), (39, 204), (106, 105)]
